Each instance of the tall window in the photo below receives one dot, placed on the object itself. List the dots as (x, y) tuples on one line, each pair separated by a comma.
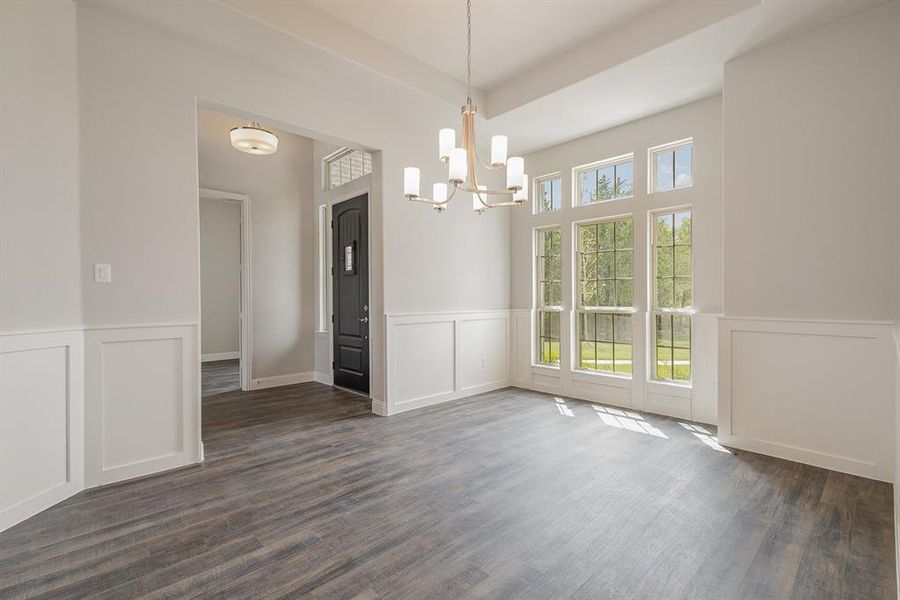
[(672, 166), (673, 295), (548, 265), (345, 165), (607, 180), (605, 295), (548, 192)]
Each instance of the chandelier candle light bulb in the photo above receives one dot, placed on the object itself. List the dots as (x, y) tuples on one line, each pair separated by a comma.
[(446, 143), (498, 151), (458, 165), (411, 182), (515, 171), (522, 194), (439, 193)]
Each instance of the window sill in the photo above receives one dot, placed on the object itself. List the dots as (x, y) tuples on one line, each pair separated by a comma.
[(599, 202), (684, 187), (541, 368)]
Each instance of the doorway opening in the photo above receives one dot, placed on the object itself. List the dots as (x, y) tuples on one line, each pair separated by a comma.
[(225, 291)]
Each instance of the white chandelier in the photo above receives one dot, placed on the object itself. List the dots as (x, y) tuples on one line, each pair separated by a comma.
[(463, 161)]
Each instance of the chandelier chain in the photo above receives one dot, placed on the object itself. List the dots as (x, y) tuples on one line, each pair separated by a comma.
[(468, 51)]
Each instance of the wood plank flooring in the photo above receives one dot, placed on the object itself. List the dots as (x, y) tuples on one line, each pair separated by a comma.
[(510, 494), (220, 376)]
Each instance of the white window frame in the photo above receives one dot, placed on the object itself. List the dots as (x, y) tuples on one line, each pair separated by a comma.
[(651, 164), (536, 297), (655, 310), (336, 156), (538, 197), (579, 308), (594, 166)]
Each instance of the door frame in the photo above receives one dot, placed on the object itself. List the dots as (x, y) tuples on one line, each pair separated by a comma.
[(330, 200), (246, 312)]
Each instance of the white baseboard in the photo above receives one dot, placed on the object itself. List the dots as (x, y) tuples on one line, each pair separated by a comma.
[(220, 356), (379, 407), (262, 383), (400, 407), (324, 378)]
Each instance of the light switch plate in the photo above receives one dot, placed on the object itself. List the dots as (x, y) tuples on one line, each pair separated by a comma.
[(102, 273)]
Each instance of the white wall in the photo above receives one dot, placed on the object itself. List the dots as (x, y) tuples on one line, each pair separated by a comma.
[(700, 120), (281, 232), (40, 276), (41, 371), (810, 222), (220, 276)]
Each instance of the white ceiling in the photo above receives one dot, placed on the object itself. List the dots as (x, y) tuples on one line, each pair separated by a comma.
[(508, 36), (546, 71)]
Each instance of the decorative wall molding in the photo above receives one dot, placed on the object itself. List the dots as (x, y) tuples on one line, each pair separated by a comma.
[(142, 409), (262, 383), (438, 357), (41, 421), (816, 392)]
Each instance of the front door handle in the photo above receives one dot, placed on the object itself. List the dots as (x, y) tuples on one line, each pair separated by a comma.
[(364, 320)]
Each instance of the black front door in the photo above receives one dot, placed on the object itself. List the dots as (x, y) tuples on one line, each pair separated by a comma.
[(350, 285)]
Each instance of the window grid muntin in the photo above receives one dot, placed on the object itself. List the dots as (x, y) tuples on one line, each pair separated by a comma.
[(664, 367), (548, 338), (551, 184), (671, 347), (548, 267), (621, 253), (346, 165), (662, 247), (619, 339), (615, 164)]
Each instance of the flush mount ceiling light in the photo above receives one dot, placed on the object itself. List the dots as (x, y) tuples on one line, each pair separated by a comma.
[(463, 161), (253, 139)]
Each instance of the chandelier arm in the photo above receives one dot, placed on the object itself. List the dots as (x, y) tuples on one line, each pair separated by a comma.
[(465, 188)]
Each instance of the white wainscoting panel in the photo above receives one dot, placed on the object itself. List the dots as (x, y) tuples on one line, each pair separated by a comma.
[(41, 421), (143, 401), (484, 358), (819, 392), (436, 357)]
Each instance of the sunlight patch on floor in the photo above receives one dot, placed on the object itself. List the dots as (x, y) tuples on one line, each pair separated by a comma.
[(703, 434), (624, 419)]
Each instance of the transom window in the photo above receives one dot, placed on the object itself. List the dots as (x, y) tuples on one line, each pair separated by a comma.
[(605, 295), (345, 165), (548, 192), (672, 166), (548, 267), (672, 295), (610, 179)]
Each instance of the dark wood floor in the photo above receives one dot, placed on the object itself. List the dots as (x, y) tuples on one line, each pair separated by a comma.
[(511, 494), (220, 376)]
